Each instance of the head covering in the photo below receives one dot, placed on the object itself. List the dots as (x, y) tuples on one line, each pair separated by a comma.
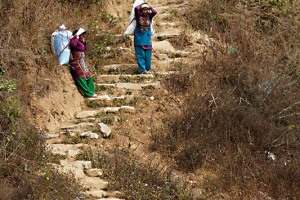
[(79, 31), (62, 27), (144, 5)]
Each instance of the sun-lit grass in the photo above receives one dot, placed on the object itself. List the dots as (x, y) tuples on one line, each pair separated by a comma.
[(241, 114)]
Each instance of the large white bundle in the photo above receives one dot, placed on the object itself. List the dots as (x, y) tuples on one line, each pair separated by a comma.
[(135, 4), (60, 44), (132, 22)]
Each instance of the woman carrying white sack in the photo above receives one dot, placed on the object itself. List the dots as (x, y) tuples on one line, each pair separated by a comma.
[(143, 36)]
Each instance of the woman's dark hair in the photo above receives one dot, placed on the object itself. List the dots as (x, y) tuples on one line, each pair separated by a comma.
[(75, 31)]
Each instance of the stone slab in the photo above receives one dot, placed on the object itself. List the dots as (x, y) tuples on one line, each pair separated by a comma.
[(86, 114), (164, 45), (94, 183), (94, 172), (77, 164)]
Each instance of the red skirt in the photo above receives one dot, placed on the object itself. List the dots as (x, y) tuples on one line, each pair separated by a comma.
[(79, 67)]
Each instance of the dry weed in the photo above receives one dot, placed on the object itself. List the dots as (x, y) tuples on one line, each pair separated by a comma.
[(241, 115)]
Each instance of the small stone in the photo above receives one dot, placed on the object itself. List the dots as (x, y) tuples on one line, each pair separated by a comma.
[(90, 135), (119, 98), (94, 172), (96, 193), (127, 109), (152, 98), (117, 119), (105, 130)]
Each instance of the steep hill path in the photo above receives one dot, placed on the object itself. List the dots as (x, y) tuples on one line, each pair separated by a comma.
[(128, 108)]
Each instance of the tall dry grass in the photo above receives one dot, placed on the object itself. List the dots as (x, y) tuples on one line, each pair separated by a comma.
[(241, 117), (26, 66)]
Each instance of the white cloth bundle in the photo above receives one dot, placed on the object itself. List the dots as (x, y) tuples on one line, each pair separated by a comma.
[(60, 44), (132, 21)]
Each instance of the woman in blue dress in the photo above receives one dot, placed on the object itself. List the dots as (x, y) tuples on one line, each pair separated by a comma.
[(142, 37)]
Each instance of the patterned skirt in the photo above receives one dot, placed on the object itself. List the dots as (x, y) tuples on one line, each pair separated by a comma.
[(79, 67)]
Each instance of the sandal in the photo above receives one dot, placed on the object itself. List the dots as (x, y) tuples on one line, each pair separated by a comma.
[(145, 72)]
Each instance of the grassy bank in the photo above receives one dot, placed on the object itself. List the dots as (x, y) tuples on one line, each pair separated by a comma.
[(241, 115)]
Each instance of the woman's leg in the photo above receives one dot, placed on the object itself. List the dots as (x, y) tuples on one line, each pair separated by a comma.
[(140, 57), (86, 87), (148, 56)]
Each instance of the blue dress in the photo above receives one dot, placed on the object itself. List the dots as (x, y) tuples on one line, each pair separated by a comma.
[(142, 39)]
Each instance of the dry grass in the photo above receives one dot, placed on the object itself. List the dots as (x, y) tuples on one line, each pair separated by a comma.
[(24, 173), (137, 180), (242, 106), (28, 70)]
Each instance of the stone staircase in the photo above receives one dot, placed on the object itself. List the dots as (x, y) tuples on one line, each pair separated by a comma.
[(117, 92), (119, 87)]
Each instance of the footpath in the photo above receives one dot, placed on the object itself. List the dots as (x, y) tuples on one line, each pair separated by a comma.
[(119, 88)]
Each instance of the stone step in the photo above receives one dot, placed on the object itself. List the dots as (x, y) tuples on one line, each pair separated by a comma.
[(94, 113), (119, 68), (169, 24), (106, 100), (80, 164), (131, 86), (83, 126), (124, 109), (160, 36), (94, 172), (65, 149), (78, 173), (96, 193), (51, 135), (113, 78), (164, 45), (94, 183), (165, 36), (58, 140)]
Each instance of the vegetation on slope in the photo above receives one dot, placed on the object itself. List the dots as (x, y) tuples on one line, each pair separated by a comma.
[(27, 71), (24, 54), (241, 113)]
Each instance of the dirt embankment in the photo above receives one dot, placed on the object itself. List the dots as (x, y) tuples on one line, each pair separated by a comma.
[(48, 93)]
